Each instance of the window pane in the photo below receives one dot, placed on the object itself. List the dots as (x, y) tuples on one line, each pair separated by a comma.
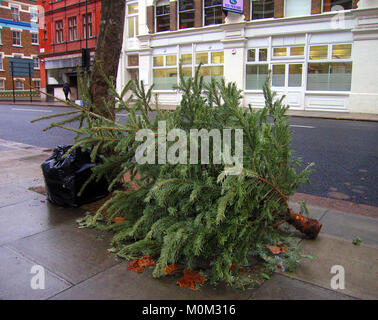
[(202, 58), (217, 71), (278, 78), (340, 76), (342, 51), (295, 75), (263, 54), (213, 15), (158, 61), (217, 57), (251, 55), (171, 60), (187, 72), (262, 9), (132, 8), (318, 52), (186, 58), (256, 76), (329, 76), (279, 52), (162, 23), (186, 19), (165, 79), (186, 5), (130, 25), (294, 8), (133, 60), (297, 51), (346, 4)]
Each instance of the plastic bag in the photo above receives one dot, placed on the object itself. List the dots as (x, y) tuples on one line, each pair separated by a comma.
[(65, 177)]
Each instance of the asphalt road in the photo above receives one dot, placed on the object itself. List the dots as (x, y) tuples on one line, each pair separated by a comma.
[(345, 152)]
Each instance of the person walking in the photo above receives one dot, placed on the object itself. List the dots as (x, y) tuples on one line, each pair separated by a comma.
[(66, 90)]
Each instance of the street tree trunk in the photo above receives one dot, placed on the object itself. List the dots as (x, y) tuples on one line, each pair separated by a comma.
[(108, 50)]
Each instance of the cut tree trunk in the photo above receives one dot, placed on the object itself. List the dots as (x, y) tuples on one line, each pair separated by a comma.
[(310, 227), (108, 50)]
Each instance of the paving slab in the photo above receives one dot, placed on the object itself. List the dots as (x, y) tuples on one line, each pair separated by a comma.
[(33, 216), (359, 262), (118, 283), (71, 253), (280, 287), (15, 279), (350, 226), (12, 194)]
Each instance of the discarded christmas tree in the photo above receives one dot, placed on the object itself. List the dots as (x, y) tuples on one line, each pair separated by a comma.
[(197, 214)]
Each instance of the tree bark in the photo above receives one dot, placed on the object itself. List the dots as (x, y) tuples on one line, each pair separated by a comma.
[(108, 50)]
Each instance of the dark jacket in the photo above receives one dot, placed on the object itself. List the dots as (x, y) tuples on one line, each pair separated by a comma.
[(66, 88)]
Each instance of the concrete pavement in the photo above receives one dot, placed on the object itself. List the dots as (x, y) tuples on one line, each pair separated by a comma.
[(78, 265)]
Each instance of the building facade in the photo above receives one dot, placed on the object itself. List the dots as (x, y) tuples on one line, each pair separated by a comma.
[(19, 50), (69, 26), (322, 54)]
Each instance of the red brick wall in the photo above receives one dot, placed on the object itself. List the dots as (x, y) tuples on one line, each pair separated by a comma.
[(27, 49)]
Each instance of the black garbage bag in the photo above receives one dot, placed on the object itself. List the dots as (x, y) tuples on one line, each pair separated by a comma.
[(65, 177)]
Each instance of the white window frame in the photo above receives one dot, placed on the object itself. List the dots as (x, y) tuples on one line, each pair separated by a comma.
[(38, 67), (269, 53), (90, 24), (59, 34), (72, 28), (19, 81), (203, 14), (2, 81), (155, 17), (165, 66), (251, 12), (209, 62), (327, 60), (13, 38), (135, 18), (183, 11), (1, 61), (18, 8), (35, 43)]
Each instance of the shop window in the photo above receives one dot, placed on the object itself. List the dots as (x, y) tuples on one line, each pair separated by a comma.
[(279, 52), (331, 76), (251, 55), (319, 52), (87, 28), (34, 37), (212, 65), (16, 38), (162, 17), (59, 31), (278, 75), (294, 8), (132, 19), (296, 51), (186, 58), (263, 54), (186, 14), (72, 28), (165, 72), (212, 12), (262, 9), (295, 75), (257, 74), (341, 51)]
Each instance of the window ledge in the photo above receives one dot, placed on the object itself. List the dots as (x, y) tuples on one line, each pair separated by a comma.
[(17, 46), (333, 93)]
